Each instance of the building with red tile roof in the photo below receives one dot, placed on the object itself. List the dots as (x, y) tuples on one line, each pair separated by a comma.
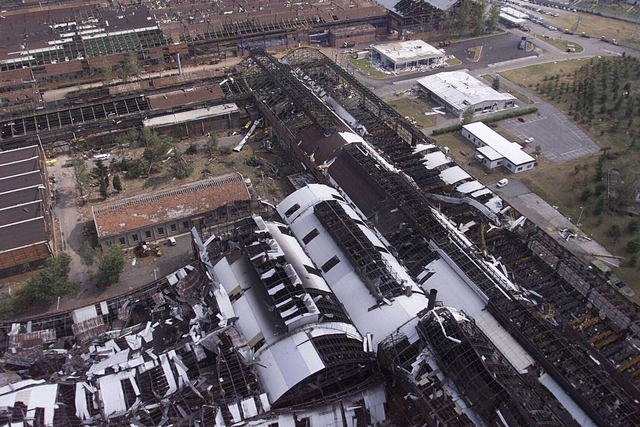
[(166, 213)]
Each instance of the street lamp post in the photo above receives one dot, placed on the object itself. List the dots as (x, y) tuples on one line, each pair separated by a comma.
[(580, 217)]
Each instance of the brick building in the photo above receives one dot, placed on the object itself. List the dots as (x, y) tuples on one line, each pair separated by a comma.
[(162, 214), (26, 223)]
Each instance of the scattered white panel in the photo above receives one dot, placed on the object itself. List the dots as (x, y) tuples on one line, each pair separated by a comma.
[(435, 159), (84, 313), (479, 193), (453, 175), (469, 187), (104, 307), (133, 341), (82, 411), (311, 356), (235, 412), (514, 352), (249, 408), (374, 400), (117, 359), (264, 400), (112, 394), (168, 373)]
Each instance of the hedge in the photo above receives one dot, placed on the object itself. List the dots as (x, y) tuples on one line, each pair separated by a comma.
[(488, 120)]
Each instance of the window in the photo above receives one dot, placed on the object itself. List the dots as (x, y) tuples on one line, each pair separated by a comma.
[(529, 166), (122, 241), (185, 224), (333, 261), (310, 236), (312, 270), (134, 237), (519, 169), (160, 230), (173, 227), (147, 234), (381, 249), (292, 210)]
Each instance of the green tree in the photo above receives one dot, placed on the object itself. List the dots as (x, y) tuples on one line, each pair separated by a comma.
[(464, 12), (586, 193), (496, 83), (82, 178), (50, 282), (493, 20), (633, 246), (181, 168), (615, 231), (111, 266), (467, 117), (104, 193), (477, 17), (157, 147), (87, 253), (130, 67), (212, 145), (633, 226), (107, 74), (117, 184)]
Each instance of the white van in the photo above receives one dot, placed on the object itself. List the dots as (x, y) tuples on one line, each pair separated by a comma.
[(102, 156), (502, 183)]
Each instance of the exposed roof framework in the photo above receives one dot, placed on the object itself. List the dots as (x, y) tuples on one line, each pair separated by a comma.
[(478, 369)]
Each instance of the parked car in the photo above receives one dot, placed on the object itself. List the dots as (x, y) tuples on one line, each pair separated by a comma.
[(502, 183), (172, 241), (528, 140), (521, 119)]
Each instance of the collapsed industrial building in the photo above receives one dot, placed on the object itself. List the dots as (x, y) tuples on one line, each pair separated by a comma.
[(396, 289)]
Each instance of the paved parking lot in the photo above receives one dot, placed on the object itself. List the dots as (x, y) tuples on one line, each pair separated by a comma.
[(495, 49), (559, 138)]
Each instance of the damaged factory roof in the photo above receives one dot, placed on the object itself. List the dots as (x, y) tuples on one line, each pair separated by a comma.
[(167, 205)]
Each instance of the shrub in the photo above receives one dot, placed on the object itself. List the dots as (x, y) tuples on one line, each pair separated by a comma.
[(633, 246)]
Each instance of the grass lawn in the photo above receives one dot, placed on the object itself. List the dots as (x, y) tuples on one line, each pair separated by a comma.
[(528, 77), (567, 184), (414, 108), (563, 44), (477, 51), (453, 62), (367, 69), (520, 97), (596, 26)]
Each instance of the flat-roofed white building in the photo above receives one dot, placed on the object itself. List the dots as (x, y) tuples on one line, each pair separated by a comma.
[(406, 54), (457, 91), (494, 150)]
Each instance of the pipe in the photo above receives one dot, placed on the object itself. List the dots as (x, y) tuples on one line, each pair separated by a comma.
[(432, 299)]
